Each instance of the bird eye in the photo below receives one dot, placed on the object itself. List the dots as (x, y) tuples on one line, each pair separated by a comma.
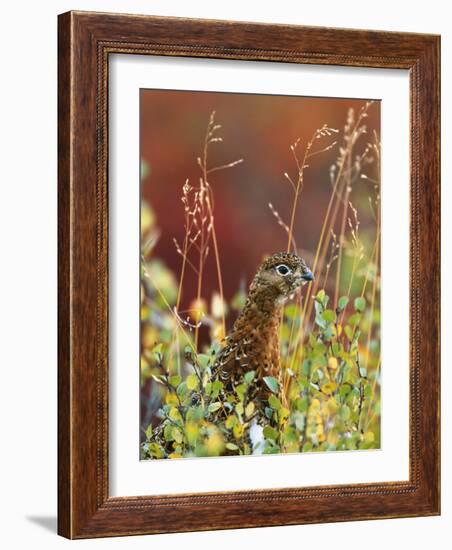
[(282, 270)]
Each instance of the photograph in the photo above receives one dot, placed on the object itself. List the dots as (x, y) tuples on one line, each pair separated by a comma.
[(259, 274)]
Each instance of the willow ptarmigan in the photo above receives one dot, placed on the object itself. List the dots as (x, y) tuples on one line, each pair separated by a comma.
[(253, 343)]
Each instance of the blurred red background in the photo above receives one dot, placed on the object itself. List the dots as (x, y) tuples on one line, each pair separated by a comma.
[(259, 129)]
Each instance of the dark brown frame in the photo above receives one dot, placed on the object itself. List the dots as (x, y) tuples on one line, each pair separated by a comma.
[(85, 42)]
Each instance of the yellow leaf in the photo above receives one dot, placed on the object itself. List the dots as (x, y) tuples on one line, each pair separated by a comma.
[(332, 363), (329, 387), (238, 431), (319, 432), (171, 399), (149, 337), (283, 413), (315, 405), (174, 414), (178, 437), (191, 432), (214, 443), (332, 405), (333, 437), (249, 409), (231, 421), (144, 312)]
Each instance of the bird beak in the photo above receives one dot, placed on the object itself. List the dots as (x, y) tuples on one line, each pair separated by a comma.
[(307, 276)]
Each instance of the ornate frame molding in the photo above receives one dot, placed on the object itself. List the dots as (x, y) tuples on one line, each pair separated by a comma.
[(85, 42)]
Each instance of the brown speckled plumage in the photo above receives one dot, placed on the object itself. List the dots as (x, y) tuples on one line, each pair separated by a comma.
[(253, 343)]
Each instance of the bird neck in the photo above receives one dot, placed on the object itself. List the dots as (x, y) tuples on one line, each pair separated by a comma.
[(256, 332), (262, 308)]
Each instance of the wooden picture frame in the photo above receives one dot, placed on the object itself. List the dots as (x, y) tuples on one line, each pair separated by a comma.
[(86, 40)]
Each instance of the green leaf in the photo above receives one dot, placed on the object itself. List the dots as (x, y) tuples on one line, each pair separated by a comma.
[(344, 391), (291, 311), (329, 316), (270, 433), (306, 368), (195, 414), (274, 402), (318, 308), (232, 446), (175, 380), (360, 304), (368, 392), (320, 321), (355, 319), (216, 388), (345, 412), (168, 432), (158, 349), (302, 404), (182, 389), (336, 348), (203, 360), (177, 435), (174, 414), (272, 383), (156, 451), (240, 390), (148, 431), (249, 376), (192, 382), (342, 302), (214, 407), (320, 298), (321, 361)]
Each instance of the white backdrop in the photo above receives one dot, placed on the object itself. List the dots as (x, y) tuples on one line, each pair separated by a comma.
[(128, 476), (28, 269)]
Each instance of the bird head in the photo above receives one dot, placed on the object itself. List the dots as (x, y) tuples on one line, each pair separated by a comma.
[(281, 275)]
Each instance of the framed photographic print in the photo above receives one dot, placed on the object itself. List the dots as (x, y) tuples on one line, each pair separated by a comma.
[(248, 275)]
